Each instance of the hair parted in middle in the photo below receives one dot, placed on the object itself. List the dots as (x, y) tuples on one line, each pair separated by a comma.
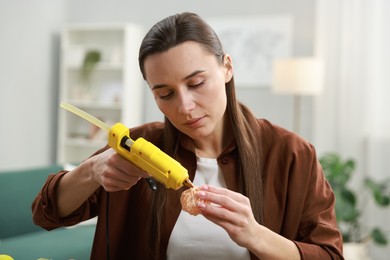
[(171, 32)]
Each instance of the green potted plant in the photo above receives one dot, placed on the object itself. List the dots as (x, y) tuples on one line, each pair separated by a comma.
[(338, 172), (91, 59)]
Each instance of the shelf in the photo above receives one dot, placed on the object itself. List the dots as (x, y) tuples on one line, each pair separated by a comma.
[(84, 142), (94, 105), (113, 90), (99, 66)]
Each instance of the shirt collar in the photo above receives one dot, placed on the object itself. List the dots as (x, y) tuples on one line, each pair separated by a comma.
[(188, 143)]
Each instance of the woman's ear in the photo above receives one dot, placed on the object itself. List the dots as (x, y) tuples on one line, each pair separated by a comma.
[(228, 66)]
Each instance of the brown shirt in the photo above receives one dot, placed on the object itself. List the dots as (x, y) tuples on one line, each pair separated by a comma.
[(298, 202)]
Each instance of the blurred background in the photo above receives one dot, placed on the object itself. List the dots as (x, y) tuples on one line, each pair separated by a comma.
[(348, 116)]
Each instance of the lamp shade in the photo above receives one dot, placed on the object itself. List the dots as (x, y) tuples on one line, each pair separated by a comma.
[(297, 76)]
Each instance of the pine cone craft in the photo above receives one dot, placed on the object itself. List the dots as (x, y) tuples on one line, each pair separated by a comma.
[(189, 201)]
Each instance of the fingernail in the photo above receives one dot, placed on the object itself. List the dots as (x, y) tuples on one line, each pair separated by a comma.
[(201, 194), (204, 187), (201, 205)]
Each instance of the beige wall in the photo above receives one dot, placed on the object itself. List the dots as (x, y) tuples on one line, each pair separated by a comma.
[(28, 81), (30, 51)]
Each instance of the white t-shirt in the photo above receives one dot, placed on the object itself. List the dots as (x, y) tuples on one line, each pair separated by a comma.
[(195, 237)]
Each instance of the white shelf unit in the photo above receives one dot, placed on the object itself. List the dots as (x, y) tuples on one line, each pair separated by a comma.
[(115, 90)]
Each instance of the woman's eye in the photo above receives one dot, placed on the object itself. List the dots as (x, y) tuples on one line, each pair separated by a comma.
[(196, 85), (166, 96)]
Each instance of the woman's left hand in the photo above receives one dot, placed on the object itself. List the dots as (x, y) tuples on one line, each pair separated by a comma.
[(230, 210)]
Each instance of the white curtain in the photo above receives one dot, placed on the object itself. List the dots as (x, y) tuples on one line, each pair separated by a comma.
[(352, 117)]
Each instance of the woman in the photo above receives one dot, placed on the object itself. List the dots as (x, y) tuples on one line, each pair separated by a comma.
[(267, 193)]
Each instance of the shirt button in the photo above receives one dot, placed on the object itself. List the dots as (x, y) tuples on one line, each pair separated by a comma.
[(224, 161)]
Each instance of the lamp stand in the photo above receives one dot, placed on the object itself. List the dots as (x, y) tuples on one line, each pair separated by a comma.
[(297, 114)]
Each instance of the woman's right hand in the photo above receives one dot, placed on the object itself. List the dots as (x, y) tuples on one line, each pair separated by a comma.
[(107, 169), (114, 172)]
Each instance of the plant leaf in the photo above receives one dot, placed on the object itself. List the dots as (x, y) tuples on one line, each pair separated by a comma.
[(346, 209), (379, 237), (91, 58), (337, 171), (378, 191)]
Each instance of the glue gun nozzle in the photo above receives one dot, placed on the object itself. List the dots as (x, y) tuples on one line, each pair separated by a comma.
[(188, 183)]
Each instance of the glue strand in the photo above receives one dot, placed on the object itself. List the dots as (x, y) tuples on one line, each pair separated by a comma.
[(85, 115)]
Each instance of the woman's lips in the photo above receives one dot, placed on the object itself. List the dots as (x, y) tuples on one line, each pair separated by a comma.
[(194, 122)]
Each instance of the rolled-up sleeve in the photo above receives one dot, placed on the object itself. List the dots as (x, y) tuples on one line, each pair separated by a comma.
[(318, 236), (45, 210)]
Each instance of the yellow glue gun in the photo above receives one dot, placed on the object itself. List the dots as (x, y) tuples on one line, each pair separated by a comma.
[(142, 153)]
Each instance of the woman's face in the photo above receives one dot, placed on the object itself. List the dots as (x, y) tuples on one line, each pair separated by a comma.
[(188, 85)]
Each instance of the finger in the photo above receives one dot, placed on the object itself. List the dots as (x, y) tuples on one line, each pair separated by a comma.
[(128, 167), (115, 171), (223, 200), (236, 225), (114, 177), (237, 232), (223, 191), (220, 215), (112, 184), (228, 225)]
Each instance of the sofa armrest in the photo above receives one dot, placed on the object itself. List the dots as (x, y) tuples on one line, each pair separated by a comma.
[(18, 189)]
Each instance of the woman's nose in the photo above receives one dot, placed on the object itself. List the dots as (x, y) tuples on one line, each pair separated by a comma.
[(185, 102)]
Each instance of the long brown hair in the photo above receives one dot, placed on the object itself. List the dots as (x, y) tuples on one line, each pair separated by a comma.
[(169, 33)]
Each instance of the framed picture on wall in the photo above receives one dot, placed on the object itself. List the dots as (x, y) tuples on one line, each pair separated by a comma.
[(254, 42)]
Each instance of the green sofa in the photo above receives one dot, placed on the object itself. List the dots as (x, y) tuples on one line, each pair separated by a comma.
[(20, 238)]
